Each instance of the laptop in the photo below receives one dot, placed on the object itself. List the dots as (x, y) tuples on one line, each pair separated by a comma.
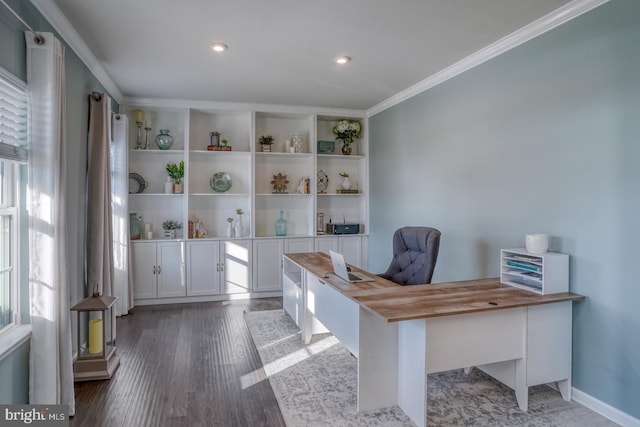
[(340, 270)]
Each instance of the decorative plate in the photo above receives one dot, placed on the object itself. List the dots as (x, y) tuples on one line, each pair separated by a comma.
[(137, 184), (323, 182), (220, 182)]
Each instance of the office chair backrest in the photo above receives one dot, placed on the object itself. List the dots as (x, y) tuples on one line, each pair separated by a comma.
[(415, 251)]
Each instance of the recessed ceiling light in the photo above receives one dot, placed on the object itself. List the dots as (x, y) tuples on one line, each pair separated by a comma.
[(219, 47), (342, 60)]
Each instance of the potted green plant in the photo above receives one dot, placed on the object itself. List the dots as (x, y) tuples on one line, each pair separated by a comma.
[(176, 172), (266, 141), (346, 181)]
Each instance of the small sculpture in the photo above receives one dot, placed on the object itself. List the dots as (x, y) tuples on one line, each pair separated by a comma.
[(279, 183)]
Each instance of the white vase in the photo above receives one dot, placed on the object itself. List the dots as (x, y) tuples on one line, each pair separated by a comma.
[(230, 231), (346, 183), (239, 227)]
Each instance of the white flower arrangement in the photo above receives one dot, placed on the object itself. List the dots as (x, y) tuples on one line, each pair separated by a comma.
[(347, 130)]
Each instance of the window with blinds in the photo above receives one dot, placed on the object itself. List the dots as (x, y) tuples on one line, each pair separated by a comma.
[(14, 142), (13, 120)]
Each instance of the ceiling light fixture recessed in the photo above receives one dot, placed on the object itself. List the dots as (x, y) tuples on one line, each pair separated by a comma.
[(342, 60), (219, 47)]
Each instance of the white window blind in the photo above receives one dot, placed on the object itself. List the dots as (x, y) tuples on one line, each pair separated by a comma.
[(13, 149), (13, 119)]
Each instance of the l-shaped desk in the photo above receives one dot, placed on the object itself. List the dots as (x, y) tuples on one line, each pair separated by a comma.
[(400, 334)]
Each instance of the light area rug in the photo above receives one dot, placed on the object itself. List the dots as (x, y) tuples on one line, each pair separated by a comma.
[(316, 385)]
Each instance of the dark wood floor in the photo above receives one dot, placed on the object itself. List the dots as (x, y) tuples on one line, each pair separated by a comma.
[(183, 365)]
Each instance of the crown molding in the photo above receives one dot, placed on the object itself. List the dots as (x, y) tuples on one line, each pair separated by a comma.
[(240, 106), (548, 22), (64, 28)]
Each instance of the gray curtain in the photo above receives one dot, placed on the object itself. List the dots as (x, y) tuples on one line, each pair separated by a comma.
[(99, 246)]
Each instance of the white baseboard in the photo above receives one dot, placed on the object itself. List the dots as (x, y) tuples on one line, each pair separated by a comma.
[(604, 409), (207, 298)]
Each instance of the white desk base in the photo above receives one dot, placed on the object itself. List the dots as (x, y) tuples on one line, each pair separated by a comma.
[(521, 347)]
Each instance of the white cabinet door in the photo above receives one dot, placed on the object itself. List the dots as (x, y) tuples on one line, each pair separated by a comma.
[(236, 266), (171, 263), (203, 268), (143, 260), (297, 245), (267, 265), (325, 244), (351, 248)]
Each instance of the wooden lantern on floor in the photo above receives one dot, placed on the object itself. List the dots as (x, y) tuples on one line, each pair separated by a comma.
[(98, 361)]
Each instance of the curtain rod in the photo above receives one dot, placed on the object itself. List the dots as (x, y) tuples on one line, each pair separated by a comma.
[(97, 96), (38, 38)]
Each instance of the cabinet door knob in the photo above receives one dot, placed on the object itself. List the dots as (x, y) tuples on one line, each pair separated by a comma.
[(221, 267), (159, 270), (154, 270)]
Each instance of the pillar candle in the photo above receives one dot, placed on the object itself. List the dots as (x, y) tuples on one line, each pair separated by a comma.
[(139, 116), (149, 235), (95, 336), (147, 228), (147, 124)]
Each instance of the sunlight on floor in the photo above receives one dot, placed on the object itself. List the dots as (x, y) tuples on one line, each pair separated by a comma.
[(280, 340), (287, 361)]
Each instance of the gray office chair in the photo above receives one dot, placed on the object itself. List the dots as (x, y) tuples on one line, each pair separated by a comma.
[(415, 251)]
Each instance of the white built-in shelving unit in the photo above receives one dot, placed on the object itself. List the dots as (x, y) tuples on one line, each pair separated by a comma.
[(251, 171)]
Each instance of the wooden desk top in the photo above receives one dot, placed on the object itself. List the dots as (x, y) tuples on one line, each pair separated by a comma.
[(395, 303), (445, 299), (319, 264)]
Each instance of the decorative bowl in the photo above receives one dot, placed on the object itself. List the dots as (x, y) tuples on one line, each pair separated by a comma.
[(220, 182)]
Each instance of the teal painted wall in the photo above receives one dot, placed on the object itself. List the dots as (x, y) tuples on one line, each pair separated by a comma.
[(14, 388), (542, 139), (80, 83)]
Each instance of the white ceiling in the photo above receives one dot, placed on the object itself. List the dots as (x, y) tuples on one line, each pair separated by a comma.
[(282, 51)]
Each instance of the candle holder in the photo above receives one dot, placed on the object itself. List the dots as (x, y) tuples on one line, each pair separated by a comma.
[(147, 143), (139, 136), (99, 360), (320, 223)]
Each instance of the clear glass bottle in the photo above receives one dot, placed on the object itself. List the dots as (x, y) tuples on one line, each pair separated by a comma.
[(281, 225), (134, 225)]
